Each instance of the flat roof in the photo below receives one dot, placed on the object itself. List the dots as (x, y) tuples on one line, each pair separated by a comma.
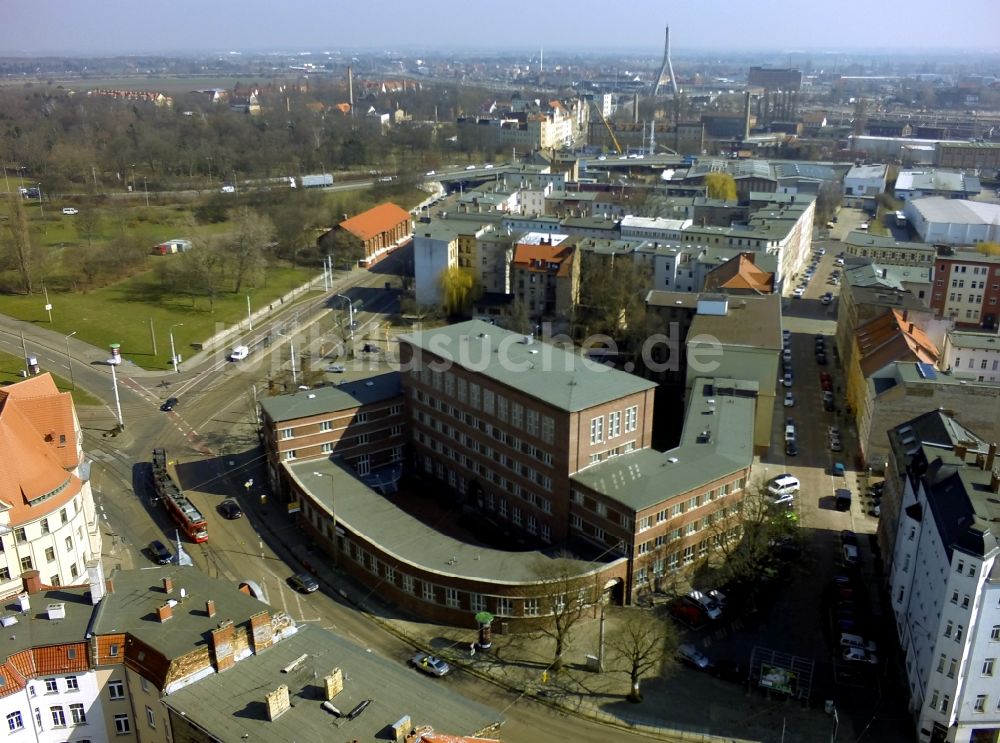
[(231, 706), (137, 594), (717, 441), (36, 630), (955, 211), (868, 240), (360, 509), (980, 341), (557, 377), (753, 321), (333, 398)]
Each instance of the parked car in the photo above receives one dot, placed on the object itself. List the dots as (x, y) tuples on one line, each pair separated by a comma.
[(858, 655), (304, 582), (785, 499), (787, 380), (826, 298), (782, 484), (835, 445), (336, 368), (70, 210), (847, 640), (791, 448), (159, 552), (687, 613), (821, 359), (169, 404), (230, 509), (851, 554), (370, 348), (789, 400), (690, 655), (239, 353), (430, 664), (799, 291), (711, 609), (827, 400)]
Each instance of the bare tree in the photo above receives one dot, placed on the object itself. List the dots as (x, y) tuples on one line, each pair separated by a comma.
[(88, 225), (563, 598), (21, 252), (245, 247), (644, 644)]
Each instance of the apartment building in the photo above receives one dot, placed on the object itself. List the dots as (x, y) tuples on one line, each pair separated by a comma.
[(883, 249), (967, 288), (943, 586), (972, 355), (48, 521), (360, 423), (545, 276), (436, 248)]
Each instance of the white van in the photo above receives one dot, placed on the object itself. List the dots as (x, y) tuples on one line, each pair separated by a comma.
[(239, 353), (783, 484)]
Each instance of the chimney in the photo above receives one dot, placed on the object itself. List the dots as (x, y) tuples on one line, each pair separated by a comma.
[(959, 450), (222, 647), (991, 455), (333, 684), (995, 483), (277, 702), (95, 576), (210, 608), (910, 330), (261, 632), (168, 585), (32, 581), (109, 586), (164, 613), (24, 603)]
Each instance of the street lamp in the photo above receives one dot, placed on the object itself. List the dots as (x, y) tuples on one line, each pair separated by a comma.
[(69, 360), (41, 201), (146, 189), (350, 312), (173, 353)]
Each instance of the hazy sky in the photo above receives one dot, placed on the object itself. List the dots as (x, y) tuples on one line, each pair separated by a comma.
[(177, 26)]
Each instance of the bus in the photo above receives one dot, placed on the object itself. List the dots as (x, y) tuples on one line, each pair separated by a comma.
[(180, 508)]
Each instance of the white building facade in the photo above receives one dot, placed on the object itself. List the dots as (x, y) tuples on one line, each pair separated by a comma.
[(975, 355)]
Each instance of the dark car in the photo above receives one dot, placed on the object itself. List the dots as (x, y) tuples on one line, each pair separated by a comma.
[(370, 348), (304, 582), (791, 449), (821, 359), (169, 404), (230, 509), (848, 537), (159, 552)]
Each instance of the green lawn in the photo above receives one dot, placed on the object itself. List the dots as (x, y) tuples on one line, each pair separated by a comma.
[(11, 368), (121, 313)]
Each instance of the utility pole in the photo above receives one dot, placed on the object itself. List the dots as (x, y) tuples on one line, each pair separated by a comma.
[(48, 307), (118, 402), (249, 314), (152, 336), (24, 349)]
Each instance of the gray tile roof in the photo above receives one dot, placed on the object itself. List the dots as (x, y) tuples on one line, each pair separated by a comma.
[(331, 399), (556, 377), (35, 629), (723, 409)]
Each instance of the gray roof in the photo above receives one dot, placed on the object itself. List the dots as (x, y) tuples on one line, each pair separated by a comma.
[(334, 398), (361, 510), (909, 373), (894, 277), (979, 341), (956, 211), (36, 629), (722, 408), (886, 297), (231, 706), (868, 240), (867, 171), (753, 321), (937, 180), (556, 377), (137, 594)]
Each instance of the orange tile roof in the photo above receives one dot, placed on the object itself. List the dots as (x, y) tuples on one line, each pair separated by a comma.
[(890, 338), (50, 411), (740, 272), (11, 679), (56, 658), (537, 257), (377, 219)]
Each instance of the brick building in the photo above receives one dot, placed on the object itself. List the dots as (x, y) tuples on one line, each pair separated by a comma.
[(376, 232), (545, 277), (967, 288)]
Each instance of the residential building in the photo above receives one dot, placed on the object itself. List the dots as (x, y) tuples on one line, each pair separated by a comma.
[(735, 338), (435, 250), (967, 288), (902, 390), (739, 275), (919, 184), (943, 589), (883, 249), (378, 231), (490, 259), (545, 276), (360, 423), (862, 184), (888, 338), (941, 220), (654, 228), (972, 355), (48, 521), (912, 280)]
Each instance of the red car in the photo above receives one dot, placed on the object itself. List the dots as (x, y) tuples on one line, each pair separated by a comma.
[(826, 382)]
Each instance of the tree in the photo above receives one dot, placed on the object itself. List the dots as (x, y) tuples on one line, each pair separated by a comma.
[(245, 247), (989, 248), (519, 320), (458, 288), (563, 597), (644, 644), (21, 253), (88, 225), (720, 186), (612, 300), (828, 201)]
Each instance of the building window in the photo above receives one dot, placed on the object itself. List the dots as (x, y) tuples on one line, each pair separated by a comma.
[(505, 607), (15, 722), (548, 429), (631, 418), (952, 667), (451, 598), (429, 593), (63, 516), (58, 717), (597, 429), (958, 633), (477, 602), (19, 535), (122, 725), (286, 433), (362, 465), (113, 650), (77, 714), (69, 544), (988, 666), (531, 607), (116, 689), (995, 633), (408, 583), (150, 717), (51, 686), (72, 684), (74, 571), (289, 455), (50, 554), (44, 523), (948, 628)]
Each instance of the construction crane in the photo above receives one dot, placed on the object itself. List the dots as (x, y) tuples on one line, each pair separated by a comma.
[(611, 132)]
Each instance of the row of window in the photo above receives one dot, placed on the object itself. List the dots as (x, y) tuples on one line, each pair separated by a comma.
[(28, 564), (472, 421), (518, 468), (982, 364), (883, 255), (976, 270), (44, 526), (77, 716), (957, 298), (960, 284), (674, 511), (327, 426), (491, 403), (942, 702), (362, 463), (614, 424)]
